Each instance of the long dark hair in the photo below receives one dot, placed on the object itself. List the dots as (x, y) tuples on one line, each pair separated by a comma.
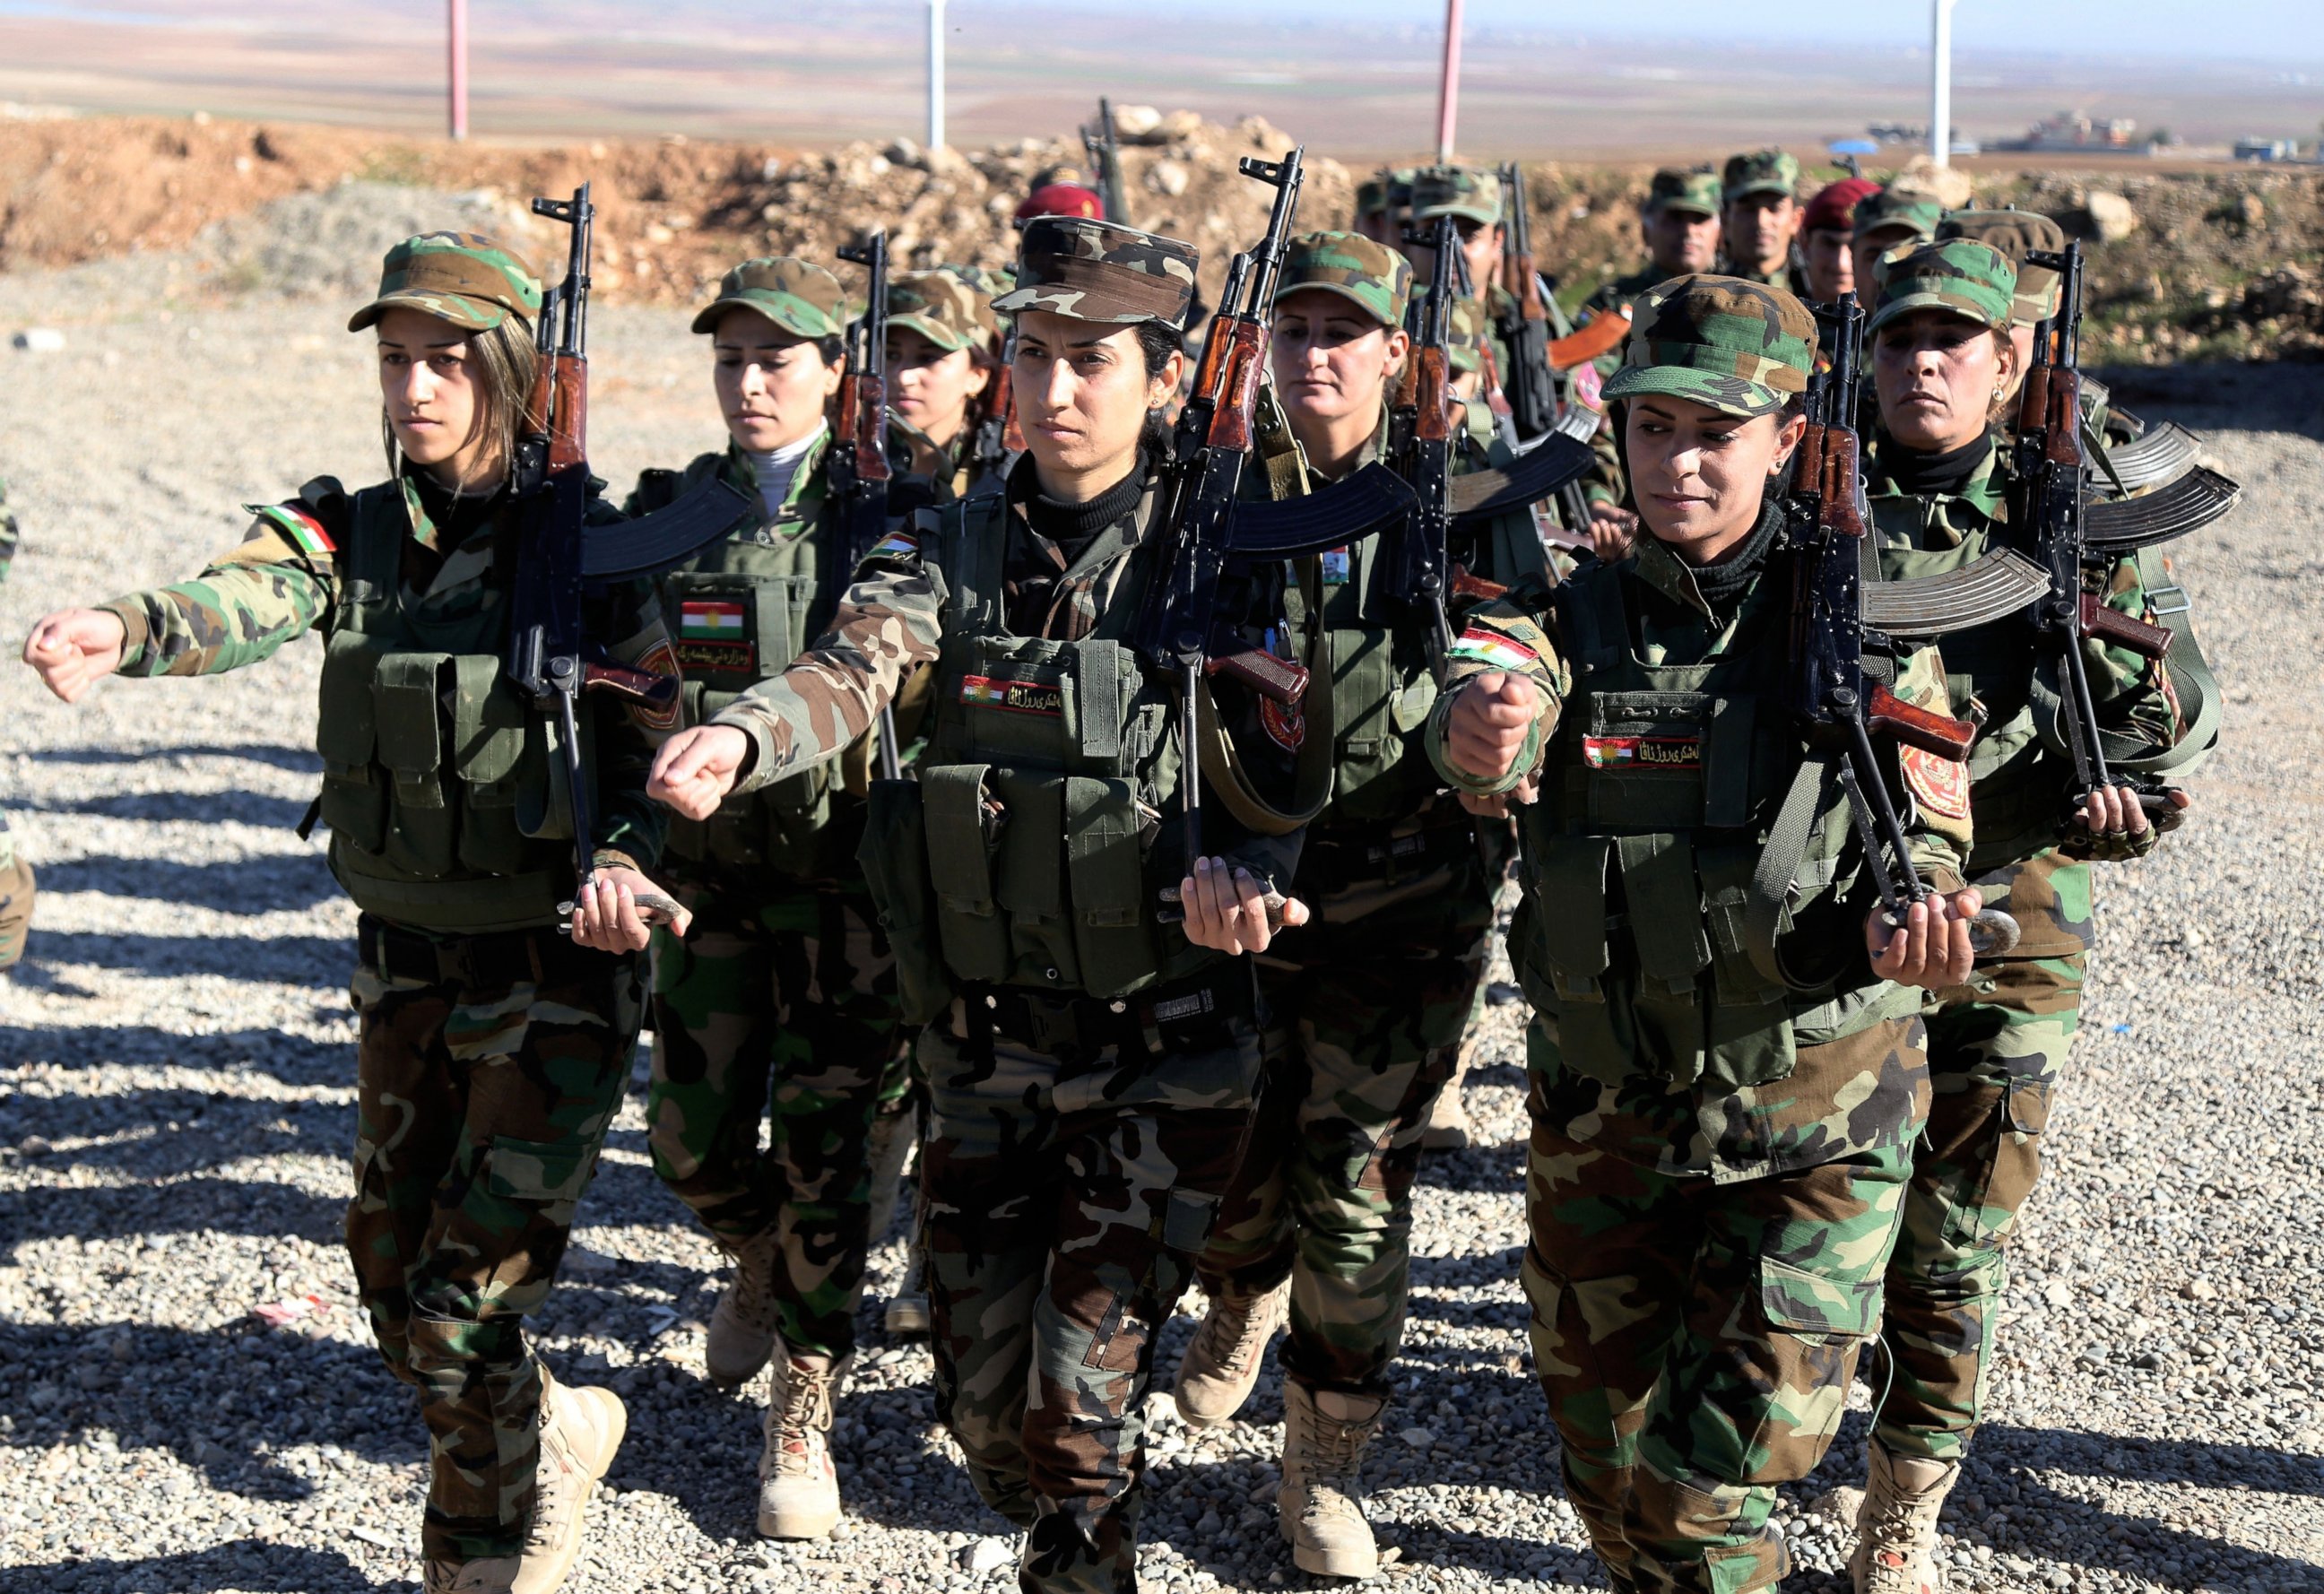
[(1157, 342), (503, 364)]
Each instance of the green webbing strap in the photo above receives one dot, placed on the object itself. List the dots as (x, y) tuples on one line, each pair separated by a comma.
[(953, 802), (2191, 677), (1310, 787), (1098, 668), (1774, 881), (1279, 450)]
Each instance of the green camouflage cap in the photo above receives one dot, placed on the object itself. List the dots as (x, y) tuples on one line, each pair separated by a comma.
[(468, 278), (1693, 189), (942, 307), (2013, 233), (797, 295), (1921, 213), (1963, 277), (1097, 271), (1465, 335), (1384, 193), (1741, 347), (1468, 193), (1351, 265), (1762, 172)]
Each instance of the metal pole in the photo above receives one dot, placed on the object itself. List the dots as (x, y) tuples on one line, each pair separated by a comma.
[(458, 49), (935, 74), (1940, 82), (1448, 93)]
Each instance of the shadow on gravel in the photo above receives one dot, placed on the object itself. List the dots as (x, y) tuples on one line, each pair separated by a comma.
[(280, 757), (290, 1059), (247, 1563), (1481, 1170), (294, 960), (203, 1207), (236, 886), (240, 808)]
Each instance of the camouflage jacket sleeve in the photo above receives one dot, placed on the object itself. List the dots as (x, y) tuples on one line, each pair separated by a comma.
[(243, 605), (889, 621), (1506, 634), (631, 825)]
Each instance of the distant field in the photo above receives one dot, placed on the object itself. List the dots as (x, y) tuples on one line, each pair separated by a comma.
[(716, 69)]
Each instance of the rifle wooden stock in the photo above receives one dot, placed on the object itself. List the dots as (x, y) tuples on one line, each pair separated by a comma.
[(1433, 420), (656, 692), (1465, 585), (1931, 731), (2118, 629), (1602, 335), (1236, 417)]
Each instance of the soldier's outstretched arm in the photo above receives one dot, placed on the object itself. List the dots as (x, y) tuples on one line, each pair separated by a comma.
[(890, 622)]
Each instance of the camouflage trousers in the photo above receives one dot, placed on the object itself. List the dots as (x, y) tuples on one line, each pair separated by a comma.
[(778, 1009), (1696, 1339), (15, 899), (1994, 1056), (481, 1110), (1064, 1193), (1364, 1030)]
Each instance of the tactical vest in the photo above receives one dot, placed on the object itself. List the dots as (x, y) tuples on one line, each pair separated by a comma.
[(741, 611), (1020, 856), (1636, 926), (445, 792)]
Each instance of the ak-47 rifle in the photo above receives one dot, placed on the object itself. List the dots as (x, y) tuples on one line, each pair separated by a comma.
[(859, 471), (1105, 153), (1838, 617), (552, 657), (1204, 525), (1532, 394), (2070, 543), (998, 435)]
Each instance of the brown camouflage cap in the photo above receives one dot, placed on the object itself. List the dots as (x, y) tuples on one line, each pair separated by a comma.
[(2013, 233), (1741, 347), (1376, 277), (1761, 171), (1687, 189), (942, 307), (1466, 193), (1097, 271), (1891, 208), (468, 278), (797, 295), (1961, 277)]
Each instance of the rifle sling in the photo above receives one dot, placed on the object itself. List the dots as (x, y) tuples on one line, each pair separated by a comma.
[(1221, 767), (1776, 880)]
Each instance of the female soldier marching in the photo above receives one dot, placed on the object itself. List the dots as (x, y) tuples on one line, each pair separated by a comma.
[(1091, 1068), (1723, 1100), (491, 1050)]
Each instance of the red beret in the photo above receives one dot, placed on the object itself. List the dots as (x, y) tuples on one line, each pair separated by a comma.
[(1061, 198), (1833, 209)]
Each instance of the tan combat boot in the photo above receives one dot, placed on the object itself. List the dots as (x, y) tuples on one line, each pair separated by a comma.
[(580, 1430), (744, 1331), (496, 1575), (1447, 1128), (1222, 1361), (909, 1316), (799, 1488), (1897, 1530), (1324, 1436)]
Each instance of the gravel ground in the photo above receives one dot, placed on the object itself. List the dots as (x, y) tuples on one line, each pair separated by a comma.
[(175, 1109)]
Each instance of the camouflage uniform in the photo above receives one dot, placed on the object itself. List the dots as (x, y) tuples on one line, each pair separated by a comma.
[(1089, 1071), (1689, 190), (778, 1008), (1764, 171), (1997, 1045), (952, 307), (1368, 1004), (15, 874), (1723, 1101)]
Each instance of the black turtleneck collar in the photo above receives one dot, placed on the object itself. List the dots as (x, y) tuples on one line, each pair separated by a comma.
[(1723, 581), (1073, 526), (456, 515), (1919, 475)]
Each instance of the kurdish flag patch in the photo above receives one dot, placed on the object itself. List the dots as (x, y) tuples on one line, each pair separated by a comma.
[(1492, 650), (709, 620), (301, 526), (900, 541)]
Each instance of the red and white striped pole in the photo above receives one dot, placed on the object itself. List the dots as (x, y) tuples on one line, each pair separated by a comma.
[(1448, 93), (457, 49)]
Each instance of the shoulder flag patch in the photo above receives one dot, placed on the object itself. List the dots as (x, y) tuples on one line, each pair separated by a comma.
[(904, 542), (305, 531), (1493, 650)]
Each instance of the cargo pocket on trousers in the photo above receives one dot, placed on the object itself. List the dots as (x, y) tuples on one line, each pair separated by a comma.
[(1118, 1343), (1798, 1392), (546, 1176), (2006, 1162)]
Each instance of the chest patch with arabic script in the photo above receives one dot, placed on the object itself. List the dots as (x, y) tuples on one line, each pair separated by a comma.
[(1642, 752), (1015, 696)]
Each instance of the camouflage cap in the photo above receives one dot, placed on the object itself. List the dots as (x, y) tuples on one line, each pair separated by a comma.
[(1741, 347), (797, 295), (942, 307), (1378, 278), (1690, 189), (468, 278), (1384, 192), (1469, 193), (1465, 335), (1917, 213), (1094, 271), (1961, 277), (1761, 171), (2013, 233)]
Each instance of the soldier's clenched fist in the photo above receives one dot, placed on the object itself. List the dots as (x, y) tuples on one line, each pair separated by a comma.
[(696, 769), (1490, 721), (73, 647)]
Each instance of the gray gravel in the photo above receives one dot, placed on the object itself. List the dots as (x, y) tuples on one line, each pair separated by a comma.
[(175, 1107)]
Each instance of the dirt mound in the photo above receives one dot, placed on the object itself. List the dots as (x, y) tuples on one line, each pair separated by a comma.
[(2210, 264)]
